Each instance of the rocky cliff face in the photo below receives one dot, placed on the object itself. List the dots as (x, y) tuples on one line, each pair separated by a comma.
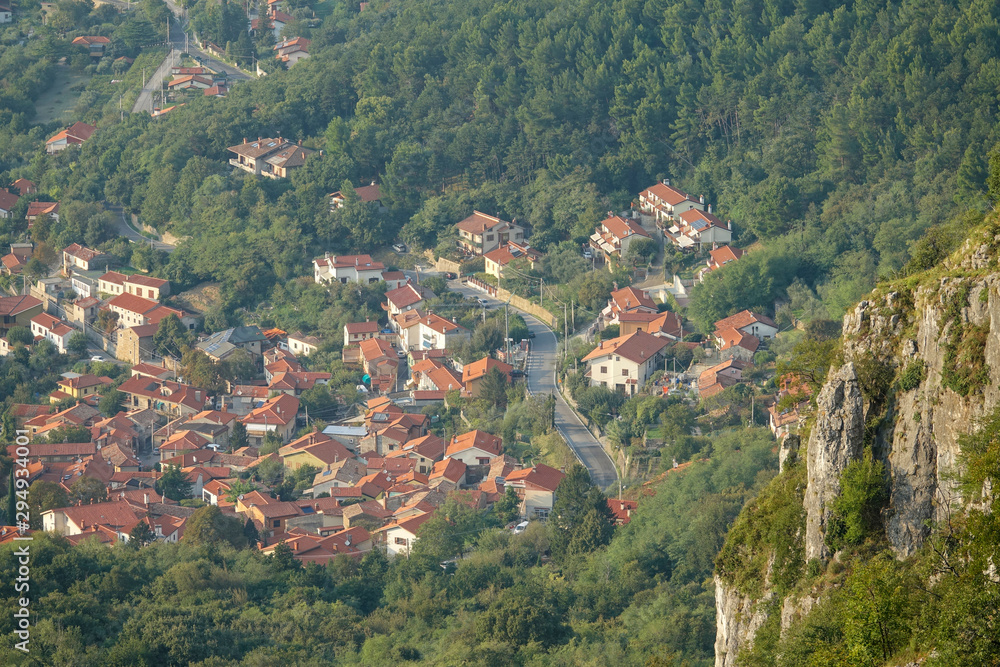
[(738, 618), (939, 337), (835, 440)]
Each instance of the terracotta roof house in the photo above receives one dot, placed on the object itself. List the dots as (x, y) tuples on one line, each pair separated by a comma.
[(536, 489), (75, 134), (164, 395), (666, 202), (497, 259), (283, 161), (303, 345), (473, 374), (615, 234), (291, 51), (480, 233), (722, 255), (8, 201), (367, 193), (398, 538), (76, 256), (347, 269), (37, 209), (624, 364), (190, 81), (475, 448), (277, 416), (407, 297), (721, 376), (52, 329), (627, 300), (252, 156), (315, 449), (699, 228), (24, 186), (622, 510), (428, 331), (355, 332), (739, 335), (17, 311), (75, 520)]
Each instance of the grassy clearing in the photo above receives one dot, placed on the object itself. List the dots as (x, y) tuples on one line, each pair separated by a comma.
[(57, 102)]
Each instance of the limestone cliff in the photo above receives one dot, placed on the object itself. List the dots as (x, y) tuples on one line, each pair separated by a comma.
[(835, 440), (936, 337)]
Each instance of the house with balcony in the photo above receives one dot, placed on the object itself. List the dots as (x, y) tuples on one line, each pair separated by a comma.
[(268, 157), (480, 233), (695, 229), (347, 269), (615, 234), (665, 202)]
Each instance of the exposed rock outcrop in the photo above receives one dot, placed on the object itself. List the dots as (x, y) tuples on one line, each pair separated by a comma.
[(836, 439), (738, 618)]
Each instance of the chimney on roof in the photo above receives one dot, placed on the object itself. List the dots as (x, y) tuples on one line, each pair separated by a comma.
[(258, 139), (666, 181), (244, 140), (709, 208), (729, 225), (145, 499)]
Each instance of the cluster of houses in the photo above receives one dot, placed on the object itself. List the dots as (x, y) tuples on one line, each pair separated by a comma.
[(287, 50), (681, 219), (376, 479), (210, 82)]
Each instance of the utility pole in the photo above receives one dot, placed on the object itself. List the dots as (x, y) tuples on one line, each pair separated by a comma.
[(541, 291), (506, 335), (565, 332), (572, 310)]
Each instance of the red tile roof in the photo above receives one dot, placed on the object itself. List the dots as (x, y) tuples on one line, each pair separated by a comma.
[(743, 319), (670, 194), (477, 223), (7, 200), (637, 347), (478, 369), (481, 440), (404, 296), (541, 476), (622, 228), (11, 306)]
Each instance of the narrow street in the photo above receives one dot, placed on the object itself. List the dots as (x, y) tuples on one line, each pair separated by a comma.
[(541, 378)]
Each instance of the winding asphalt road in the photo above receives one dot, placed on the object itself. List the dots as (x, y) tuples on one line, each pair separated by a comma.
[(541, 375)]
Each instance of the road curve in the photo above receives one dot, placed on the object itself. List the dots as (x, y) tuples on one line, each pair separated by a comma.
[(541, 376)]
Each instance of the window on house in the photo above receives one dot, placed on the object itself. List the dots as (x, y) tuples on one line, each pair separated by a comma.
[(604, 369), (618, 358), (625, 371), (277, 523), (483, 462), (489, 237), (401, 541)]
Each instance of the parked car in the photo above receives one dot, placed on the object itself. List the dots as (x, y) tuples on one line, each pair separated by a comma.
[(520, 528), (531, 334), (516, 373), (483, 302), (449, 275), (401, 354), (97, 357), (399, 247), (587, 254)]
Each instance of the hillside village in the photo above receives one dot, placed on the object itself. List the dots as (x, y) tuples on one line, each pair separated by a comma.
[(155, 443)]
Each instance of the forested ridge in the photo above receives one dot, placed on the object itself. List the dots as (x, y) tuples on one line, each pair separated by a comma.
[(835, 135)]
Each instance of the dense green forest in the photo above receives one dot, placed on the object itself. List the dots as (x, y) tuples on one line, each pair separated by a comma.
[(834, 134), (644, 598)]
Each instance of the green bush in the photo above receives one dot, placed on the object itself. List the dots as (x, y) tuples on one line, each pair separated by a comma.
[(912, 376), (857, 510)]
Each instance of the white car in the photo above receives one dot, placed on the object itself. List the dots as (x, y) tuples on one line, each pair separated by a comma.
[(97, 357), (587, 254), (520, 528), (483, 302), (399, 247)]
